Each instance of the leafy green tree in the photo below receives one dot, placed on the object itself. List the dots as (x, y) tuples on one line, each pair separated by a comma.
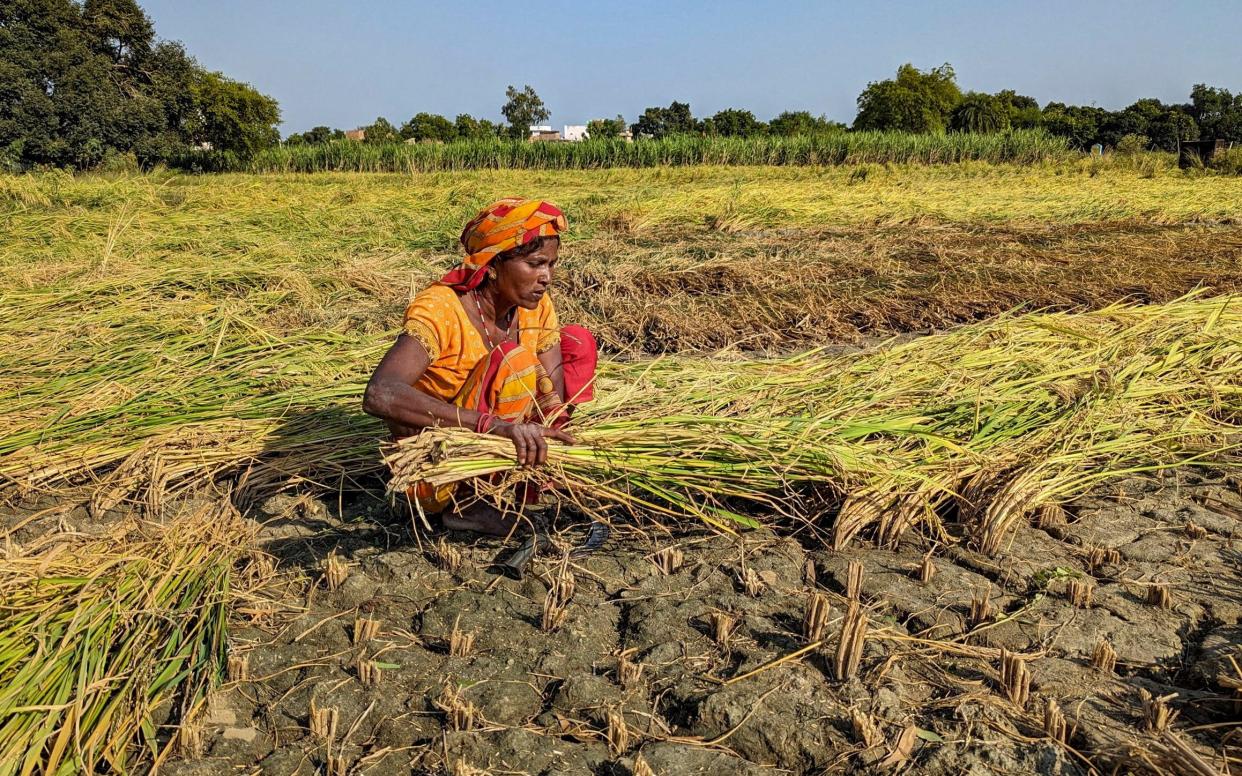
[(650, 124), (489, 128), (802, 123), (1023, 111), (523, 109), (1080, 125), (732, 122), (888, 105), (316, 136), (678, 119), (1147, 110), (69, 96), (979, 113), (380, 131), (82, 81), (120, 28), (233, 116), (606, 129), (914, 101), (173, 73), (429, 126), (466, 127), (1172, 127), (1014, 101), (792, 123), (661, 122), (1131, 122), (1217, 112)]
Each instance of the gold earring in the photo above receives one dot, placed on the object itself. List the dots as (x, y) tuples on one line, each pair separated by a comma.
[(491, 274)]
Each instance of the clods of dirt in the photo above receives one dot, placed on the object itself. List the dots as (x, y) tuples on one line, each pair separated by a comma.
[(689, 653)]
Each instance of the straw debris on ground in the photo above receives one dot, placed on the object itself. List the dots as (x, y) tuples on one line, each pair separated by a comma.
[(107, 643)]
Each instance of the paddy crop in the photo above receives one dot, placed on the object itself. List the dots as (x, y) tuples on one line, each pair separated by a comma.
[(97, 634), (150, 306), (164, 333), (996, 419)]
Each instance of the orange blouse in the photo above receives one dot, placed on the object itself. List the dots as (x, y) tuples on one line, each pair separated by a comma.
[(436, 318)]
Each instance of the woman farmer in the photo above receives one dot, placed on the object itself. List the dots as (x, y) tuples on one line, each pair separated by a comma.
[(482, 349)]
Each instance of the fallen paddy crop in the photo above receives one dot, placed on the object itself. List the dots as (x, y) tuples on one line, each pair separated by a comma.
[(995, 420), (102, 639), (165, 333), (998, 417), (657, 260)]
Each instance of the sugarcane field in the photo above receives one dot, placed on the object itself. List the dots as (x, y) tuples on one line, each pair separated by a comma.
[(897, 433)]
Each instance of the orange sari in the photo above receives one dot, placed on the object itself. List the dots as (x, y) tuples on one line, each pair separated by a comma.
[(508, 382), (511, 385)]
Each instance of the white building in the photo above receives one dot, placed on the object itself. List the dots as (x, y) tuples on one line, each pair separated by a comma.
[(571, 132), (540, 132)]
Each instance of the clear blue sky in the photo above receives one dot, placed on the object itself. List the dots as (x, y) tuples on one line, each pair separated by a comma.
[(343, 63)]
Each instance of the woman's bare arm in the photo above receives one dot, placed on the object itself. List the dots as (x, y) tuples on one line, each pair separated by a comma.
[(553, 365), (391, 395)]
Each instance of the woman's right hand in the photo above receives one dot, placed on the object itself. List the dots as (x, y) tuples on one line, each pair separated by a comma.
[(530, 440)]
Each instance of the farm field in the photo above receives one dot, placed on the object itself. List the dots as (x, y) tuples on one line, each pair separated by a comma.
[(176, 349), (1015, 147)]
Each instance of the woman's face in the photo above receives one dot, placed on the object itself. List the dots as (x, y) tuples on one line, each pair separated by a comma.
[(524, 280)]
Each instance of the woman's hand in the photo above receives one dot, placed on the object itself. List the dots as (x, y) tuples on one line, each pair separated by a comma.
[(530, 440)]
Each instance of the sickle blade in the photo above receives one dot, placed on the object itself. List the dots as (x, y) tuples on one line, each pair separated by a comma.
[(597, 534)]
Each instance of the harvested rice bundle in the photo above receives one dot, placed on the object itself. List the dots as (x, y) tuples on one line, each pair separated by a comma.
[(96, 634), (673, 465)]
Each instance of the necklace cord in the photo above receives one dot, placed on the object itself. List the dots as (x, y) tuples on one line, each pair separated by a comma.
[(483, 322)]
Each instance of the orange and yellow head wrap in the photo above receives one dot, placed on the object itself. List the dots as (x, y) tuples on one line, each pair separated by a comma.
[(499, 227)]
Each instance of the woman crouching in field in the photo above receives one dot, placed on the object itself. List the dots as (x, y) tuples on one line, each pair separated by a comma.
[(482, 349)]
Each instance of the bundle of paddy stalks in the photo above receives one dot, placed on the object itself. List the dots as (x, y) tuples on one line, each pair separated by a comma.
[(100, 638), (992, 420)]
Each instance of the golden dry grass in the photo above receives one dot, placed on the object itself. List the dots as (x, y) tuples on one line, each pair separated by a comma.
[(663, 259)]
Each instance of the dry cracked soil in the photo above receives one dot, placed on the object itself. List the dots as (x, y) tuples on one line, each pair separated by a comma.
[(688, 652)]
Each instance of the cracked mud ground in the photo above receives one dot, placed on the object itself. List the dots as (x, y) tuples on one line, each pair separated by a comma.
[(636, 679)]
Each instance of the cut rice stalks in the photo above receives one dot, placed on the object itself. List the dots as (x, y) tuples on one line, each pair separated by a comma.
[(989, 422), (999, 418), (95, 634)]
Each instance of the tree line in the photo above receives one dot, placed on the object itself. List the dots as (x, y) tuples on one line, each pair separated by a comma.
[(522, 109), (81, 83), (913, 101), (85, 81), (932, 102), (917, 101)]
